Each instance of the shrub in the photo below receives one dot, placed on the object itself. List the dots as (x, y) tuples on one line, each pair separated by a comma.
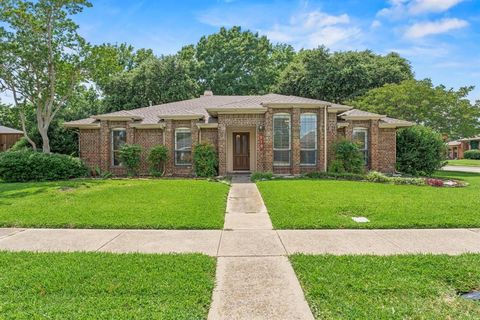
[(374, 176), (408, 181), (130, 158), (21, 144), (157, 158), (256, 176), (205, 160), (348, 155), (336, 167), (26, 165), (336, 176), (472, 154), (420, 151)]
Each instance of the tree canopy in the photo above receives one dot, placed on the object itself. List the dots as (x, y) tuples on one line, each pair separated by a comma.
[(340, 76), (446, 110)]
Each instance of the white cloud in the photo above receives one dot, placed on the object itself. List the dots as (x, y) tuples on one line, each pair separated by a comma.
[(401, 8), (423, 29), (375, 24), (315, 28)]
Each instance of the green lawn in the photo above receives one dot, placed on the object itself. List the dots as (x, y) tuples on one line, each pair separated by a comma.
[(162, 204), (389, 287), (105, 286), (317, 204), (464, 162)]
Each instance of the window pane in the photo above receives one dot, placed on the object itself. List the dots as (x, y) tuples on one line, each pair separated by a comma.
[(183, 147), (281, 157), (308, 157), (183, 157), (119, 138), (360, 138), (281, 132), (308, 131)]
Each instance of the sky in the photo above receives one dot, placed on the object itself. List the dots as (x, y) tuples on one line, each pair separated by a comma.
[(441, 38)]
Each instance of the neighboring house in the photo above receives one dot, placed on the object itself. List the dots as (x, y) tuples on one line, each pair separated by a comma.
[(457, 148), (269, 133), (8, 137)]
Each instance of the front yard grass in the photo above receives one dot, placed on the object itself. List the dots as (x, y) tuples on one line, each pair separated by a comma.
[(464, 163), (105, 286), (135, 203), (326, 204), (389, 287)]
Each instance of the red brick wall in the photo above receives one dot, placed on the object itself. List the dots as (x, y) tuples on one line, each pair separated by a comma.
[(387, 150), (147, 139), (89, 147)]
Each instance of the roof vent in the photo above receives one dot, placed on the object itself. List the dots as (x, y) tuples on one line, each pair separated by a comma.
[(208, 93)]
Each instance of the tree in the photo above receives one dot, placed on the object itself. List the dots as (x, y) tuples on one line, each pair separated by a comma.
[(156, 81), (420, 151), (446, 110), (340, 76), (42, 57), (236, 62)]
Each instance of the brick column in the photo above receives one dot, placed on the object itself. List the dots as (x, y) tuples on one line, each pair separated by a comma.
[(104, 146), (222, 148), (374, 160), (195, 130), (268, 141), (331, 136), (130, 133), (170, 144), (295, 126)]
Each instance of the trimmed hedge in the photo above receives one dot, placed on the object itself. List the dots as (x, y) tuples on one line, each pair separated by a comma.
[(26, 165), (205, 160), (472, 154)]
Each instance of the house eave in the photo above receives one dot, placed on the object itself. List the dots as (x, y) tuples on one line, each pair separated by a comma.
[(295, 105), (182, 117), (116, 118), (341, 125), (394, 125), (217, 111), (353, 118), (207, 125), (148, 126), (82, 126)]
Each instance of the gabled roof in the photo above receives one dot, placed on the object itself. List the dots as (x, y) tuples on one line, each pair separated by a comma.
[(7, 130), (384, 121), (205, 108)]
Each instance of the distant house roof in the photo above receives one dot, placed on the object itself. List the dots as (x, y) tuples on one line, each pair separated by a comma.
[(454, 143), (207, 107), (385, 122), (477, 138), (7, 130)]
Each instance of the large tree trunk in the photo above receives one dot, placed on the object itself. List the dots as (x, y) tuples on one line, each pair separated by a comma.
[(45, 140)]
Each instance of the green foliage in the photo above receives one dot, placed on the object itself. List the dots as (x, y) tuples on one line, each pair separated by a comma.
[(26, 165), (472, 154), (205, 160), (448, 111), (259, 176), (236, 62), (130, 155), (157, 158), (340, 76), (348, 155), (20, 145), (374, 176), (155, 80), (420, 151), (336, 166), (335, 176)]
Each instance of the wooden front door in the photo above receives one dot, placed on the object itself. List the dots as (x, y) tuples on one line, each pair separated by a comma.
[(241, 151)]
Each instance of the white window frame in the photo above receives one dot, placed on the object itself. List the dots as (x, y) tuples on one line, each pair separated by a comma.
[(316, 139), (183, 130), (112, 150), (365, 151), (289, 149)]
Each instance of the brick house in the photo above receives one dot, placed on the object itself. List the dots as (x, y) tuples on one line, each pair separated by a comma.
[(268, 133), (457, 148)]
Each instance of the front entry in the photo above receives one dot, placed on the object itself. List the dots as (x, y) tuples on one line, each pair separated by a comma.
[(241, 151)]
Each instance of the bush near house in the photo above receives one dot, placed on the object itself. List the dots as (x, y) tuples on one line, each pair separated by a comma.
[(26, 165), (472, 154), (347, 158), (420, 151), (157, 158), (130, 157), (205, 160)]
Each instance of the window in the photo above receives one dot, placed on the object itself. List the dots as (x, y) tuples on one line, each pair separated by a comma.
[(360, 137), (308, 139), (119, 138), (281, 139), (183, 147)]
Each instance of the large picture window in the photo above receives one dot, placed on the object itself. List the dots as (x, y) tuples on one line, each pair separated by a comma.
[(281, 139), (308, 139), (183, 147), (360, 137), (119, 138)]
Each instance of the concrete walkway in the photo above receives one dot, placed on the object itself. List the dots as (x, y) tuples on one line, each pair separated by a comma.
[(462, 169)]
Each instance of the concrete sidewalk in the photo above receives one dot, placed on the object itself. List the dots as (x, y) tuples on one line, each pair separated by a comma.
[(462, 169)]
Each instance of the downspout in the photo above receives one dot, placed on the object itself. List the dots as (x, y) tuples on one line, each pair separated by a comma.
[(325, 114)]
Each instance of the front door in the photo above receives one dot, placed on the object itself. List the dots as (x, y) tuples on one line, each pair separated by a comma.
[(241, 151)]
